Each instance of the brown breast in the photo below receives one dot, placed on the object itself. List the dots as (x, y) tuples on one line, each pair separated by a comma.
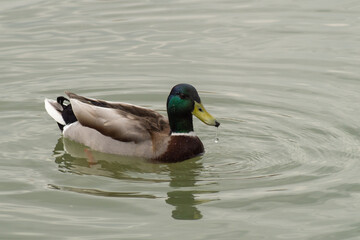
[(181, 148)]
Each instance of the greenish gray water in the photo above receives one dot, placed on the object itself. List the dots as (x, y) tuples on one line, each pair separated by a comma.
[(282, 77)]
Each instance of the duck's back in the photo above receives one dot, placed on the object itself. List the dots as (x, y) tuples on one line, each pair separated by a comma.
[(120, 121)]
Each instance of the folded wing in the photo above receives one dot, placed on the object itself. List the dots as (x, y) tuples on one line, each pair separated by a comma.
[(120, 121)]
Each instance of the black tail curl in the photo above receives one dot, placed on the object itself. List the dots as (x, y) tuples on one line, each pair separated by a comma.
[(67, 113)]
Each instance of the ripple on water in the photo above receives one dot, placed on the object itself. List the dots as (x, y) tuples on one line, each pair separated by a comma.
[(280, 143)]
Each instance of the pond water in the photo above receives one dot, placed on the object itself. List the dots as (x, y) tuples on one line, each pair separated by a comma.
[(282, 77)]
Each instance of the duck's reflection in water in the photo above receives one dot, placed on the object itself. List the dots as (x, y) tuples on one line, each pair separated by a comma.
[(185, 176), (76, 158)]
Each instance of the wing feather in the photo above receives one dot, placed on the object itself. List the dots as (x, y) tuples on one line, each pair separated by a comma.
[(120, 121)]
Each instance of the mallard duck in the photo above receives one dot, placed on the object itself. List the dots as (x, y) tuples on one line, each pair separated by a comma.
[(129, 130)]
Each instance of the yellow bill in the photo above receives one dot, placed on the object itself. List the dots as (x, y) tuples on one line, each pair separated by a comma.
[(201, 113)]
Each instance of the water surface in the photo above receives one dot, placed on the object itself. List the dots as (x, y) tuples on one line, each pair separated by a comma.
[(282, 77)]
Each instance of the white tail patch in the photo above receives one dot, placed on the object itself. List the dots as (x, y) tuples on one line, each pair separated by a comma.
[(54, 109)]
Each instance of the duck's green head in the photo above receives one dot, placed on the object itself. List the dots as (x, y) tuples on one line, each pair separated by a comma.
[(182, 103)]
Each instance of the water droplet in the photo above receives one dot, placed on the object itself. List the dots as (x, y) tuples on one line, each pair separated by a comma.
[(217, 135)]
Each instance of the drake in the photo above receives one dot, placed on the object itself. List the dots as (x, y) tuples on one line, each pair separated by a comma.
[(129, 130)]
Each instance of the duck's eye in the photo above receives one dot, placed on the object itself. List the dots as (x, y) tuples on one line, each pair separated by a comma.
[(182, 96)]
